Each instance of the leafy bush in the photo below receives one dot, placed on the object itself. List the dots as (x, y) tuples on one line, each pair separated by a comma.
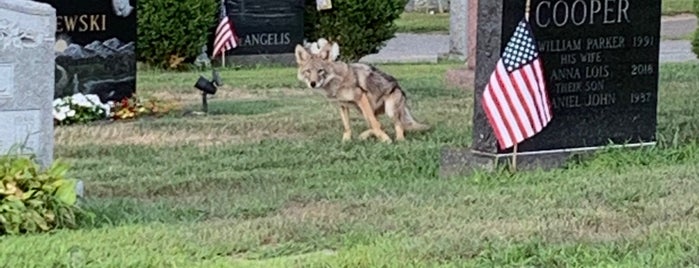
[(170, 32), (695, 43), (32, 201), (361, 27)]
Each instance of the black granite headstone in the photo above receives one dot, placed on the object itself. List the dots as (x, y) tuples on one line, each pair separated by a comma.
[(266, 26), (95, 47), (600, 62)]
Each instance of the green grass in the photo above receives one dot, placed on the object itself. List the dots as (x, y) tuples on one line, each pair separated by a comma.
[(418, 22), (266, 182), (414, 22), (674, 7)]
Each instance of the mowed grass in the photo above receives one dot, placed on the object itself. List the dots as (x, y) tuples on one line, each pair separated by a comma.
[(265, 182), (674, 7), (417, 22), (420, 22)]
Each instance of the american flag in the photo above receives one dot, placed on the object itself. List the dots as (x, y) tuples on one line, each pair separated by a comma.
[(226, 37), (515, 99)]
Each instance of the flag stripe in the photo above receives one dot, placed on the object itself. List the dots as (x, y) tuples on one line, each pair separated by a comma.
[(543, 94), (515, 99), (533, 86), (226, 38), (510, 96), (506, 133), (514, 93), (533, 103), (487, 101), (501, 101)]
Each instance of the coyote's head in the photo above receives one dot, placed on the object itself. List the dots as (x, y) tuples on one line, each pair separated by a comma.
[(314, 69)]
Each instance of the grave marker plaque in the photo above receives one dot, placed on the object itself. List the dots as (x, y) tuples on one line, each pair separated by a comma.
[(600, 62), (266, 26), (95, 47)]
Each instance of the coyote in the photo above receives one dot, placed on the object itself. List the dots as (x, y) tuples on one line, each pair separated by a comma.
[(357, 85)]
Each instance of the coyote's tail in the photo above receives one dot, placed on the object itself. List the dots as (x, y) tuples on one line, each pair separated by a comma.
[(409, 123)]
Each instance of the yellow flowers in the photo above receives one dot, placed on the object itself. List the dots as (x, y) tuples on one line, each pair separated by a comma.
[(133, 107)]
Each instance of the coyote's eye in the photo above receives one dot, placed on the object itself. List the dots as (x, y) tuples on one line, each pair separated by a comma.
[(307, 71), (321, 72)]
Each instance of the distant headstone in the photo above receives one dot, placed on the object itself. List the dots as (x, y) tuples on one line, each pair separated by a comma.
[(95, 47), (203, 59), (462, 35), (600, 60), (266, 27), (458, 22), (26, 78), (472, 33)]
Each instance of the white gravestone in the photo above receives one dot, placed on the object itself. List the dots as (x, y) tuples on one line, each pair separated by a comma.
[(27, 67)]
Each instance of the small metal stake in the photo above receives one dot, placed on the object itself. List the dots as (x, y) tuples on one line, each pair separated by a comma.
[(204, 104)]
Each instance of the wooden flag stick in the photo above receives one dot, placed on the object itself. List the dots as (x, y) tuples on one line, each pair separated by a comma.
[(514, 158), (223, 60), (514, 149)]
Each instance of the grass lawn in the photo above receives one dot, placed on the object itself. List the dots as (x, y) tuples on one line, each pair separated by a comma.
[(673, 7), (414, 22), (265, 182)]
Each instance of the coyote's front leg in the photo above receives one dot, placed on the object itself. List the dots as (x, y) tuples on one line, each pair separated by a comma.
[(344, 114)]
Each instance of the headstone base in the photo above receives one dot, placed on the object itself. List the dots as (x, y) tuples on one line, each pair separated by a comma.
[(452, 56), (461, 77), (283, 59), (464, 161)]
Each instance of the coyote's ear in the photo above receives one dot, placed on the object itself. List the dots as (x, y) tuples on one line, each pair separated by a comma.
[(324, 52), (302, 54)]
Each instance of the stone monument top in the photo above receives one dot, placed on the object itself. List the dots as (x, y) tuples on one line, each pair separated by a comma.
[(27, 40)]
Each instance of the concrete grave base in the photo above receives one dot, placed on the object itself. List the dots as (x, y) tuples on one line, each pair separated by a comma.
[(464, 161)]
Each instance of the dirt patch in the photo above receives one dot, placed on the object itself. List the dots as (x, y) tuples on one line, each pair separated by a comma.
[(228, 93), (460, 78), (128, 133)]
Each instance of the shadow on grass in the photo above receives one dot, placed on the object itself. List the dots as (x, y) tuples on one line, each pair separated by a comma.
[(247, 107)]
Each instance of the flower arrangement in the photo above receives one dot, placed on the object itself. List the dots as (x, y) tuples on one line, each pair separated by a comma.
[(79, 108), (83, 108), (132, 107)]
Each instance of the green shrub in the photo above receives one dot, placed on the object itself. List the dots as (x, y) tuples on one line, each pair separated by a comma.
[(173, 32), (360, 27), (34, 201), (695, 43)]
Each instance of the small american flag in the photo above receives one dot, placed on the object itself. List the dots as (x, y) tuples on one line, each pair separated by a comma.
[(515, 99), (226, 37)]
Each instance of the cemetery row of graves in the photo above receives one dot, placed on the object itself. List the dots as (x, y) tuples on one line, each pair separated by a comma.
[(126, 172)]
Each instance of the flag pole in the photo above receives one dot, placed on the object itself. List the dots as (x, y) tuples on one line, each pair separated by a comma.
[(526, 9), (514, 158), (223, 53), (514, 149)]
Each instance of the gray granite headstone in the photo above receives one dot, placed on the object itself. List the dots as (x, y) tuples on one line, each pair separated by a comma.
[(458, 34), (27, 30)]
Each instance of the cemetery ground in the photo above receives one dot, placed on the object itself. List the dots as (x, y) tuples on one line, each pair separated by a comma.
[(264, 181)]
